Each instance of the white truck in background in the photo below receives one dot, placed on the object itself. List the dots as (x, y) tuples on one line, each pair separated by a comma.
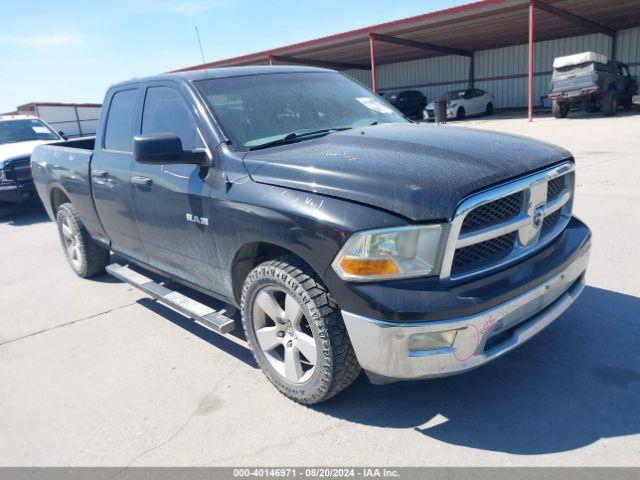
[(19, 135)]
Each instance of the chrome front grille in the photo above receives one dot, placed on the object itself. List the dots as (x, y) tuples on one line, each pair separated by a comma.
[(499, 226), (549, 223), (483, 253), (493, 213), (555, 188), (18, 169)]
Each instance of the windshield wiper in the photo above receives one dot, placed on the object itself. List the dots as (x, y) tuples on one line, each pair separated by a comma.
[(298, 135)]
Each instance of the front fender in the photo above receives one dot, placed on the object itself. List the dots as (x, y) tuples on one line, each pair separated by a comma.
[(313, 227)]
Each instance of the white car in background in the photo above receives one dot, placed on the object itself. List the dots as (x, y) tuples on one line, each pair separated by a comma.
[(463, 103)]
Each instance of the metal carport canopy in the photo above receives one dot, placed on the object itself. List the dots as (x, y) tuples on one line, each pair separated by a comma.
[(460, 30)]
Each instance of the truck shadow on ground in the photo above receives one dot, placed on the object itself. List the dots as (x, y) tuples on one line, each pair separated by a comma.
[(575, 383), (225, 344), (23, 214)]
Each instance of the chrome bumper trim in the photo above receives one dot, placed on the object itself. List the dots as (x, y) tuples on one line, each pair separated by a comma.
[(382, 348)]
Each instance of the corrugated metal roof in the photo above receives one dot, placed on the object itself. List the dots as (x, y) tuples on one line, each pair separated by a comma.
[(475, 26)]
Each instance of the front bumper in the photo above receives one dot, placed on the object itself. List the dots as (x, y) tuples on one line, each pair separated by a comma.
[(382, 348)]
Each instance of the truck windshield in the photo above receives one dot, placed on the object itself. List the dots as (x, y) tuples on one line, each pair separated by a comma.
[(259, 110), (13, 131)]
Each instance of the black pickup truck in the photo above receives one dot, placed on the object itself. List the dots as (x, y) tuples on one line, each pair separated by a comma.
[(347, 236)]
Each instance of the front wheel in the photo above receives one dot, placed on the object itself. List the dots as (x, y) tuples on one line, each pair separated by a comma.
[(460, 113), (85, 256), (296, 332), (489, 109)]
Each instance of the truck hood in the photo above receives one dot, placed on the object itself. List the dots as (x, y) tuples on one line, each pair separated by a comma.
[(417, 171), (9, 151)]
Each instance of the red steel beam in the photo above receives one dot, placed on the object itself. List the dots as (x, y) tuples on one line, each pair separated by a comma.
[(372, 54)]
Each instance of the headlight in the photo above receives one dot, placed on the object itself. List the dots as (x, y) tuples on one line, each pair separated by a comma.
[(390, 253)]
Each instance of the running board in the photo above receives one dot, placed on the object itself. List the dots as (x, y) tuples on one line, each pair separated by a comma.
[(209, 318)]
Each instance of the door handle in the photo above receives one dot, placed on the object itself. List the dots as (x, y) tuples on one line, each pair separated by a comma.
[(99, 173), (140, 180)]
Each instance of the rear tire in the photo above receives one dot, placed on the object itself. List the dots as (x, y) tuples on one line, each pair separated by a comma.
[(610, 103), (460, 113), (86, 257), (285, 305), (560, 109)]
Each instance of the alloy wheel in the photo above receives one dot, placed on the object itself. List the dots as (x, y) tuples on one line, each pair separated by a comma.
[(284, 335), (71, 240)]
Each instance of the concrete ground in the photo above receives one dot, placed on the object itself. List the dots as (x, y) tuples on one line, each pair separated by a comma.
[(94, 373)]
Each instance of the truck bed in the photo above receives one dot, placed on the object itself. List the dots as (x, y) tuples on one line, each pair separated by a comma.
[(63, 168)]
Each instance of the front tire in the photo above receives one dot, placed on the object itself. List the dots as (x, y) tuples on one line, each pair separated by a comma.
[(460, 113), (86, 257), (295, 331), (489, 109)]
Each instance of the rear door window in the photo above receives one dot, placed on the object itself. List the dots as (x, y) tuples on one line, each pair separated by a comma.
[(119, 129)]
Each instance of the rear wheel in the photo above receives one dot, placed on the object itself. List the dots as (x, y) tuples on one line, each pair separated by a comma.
[(610, 103), (460, 114), (295, 331), (85, 256), (560, 109)]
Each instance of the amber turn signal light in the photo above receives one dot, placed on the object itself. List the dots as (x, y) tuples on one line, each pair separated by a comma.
[(369, 266)]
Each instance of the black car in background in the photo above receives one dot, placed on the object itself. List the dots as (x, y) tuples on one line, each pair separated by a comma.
[(409, 102)]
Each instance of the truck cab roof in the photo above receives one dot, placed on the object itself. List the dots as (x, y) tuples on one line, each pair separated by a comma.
[(208, 73)]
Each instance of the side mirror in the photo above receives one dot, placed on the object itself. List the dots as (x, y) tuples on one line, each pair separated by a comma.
[(61, 133), (164, 149)]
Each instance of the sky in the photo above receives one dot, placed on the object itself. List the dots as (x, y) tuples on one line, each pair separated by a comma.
[(71, 51)]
